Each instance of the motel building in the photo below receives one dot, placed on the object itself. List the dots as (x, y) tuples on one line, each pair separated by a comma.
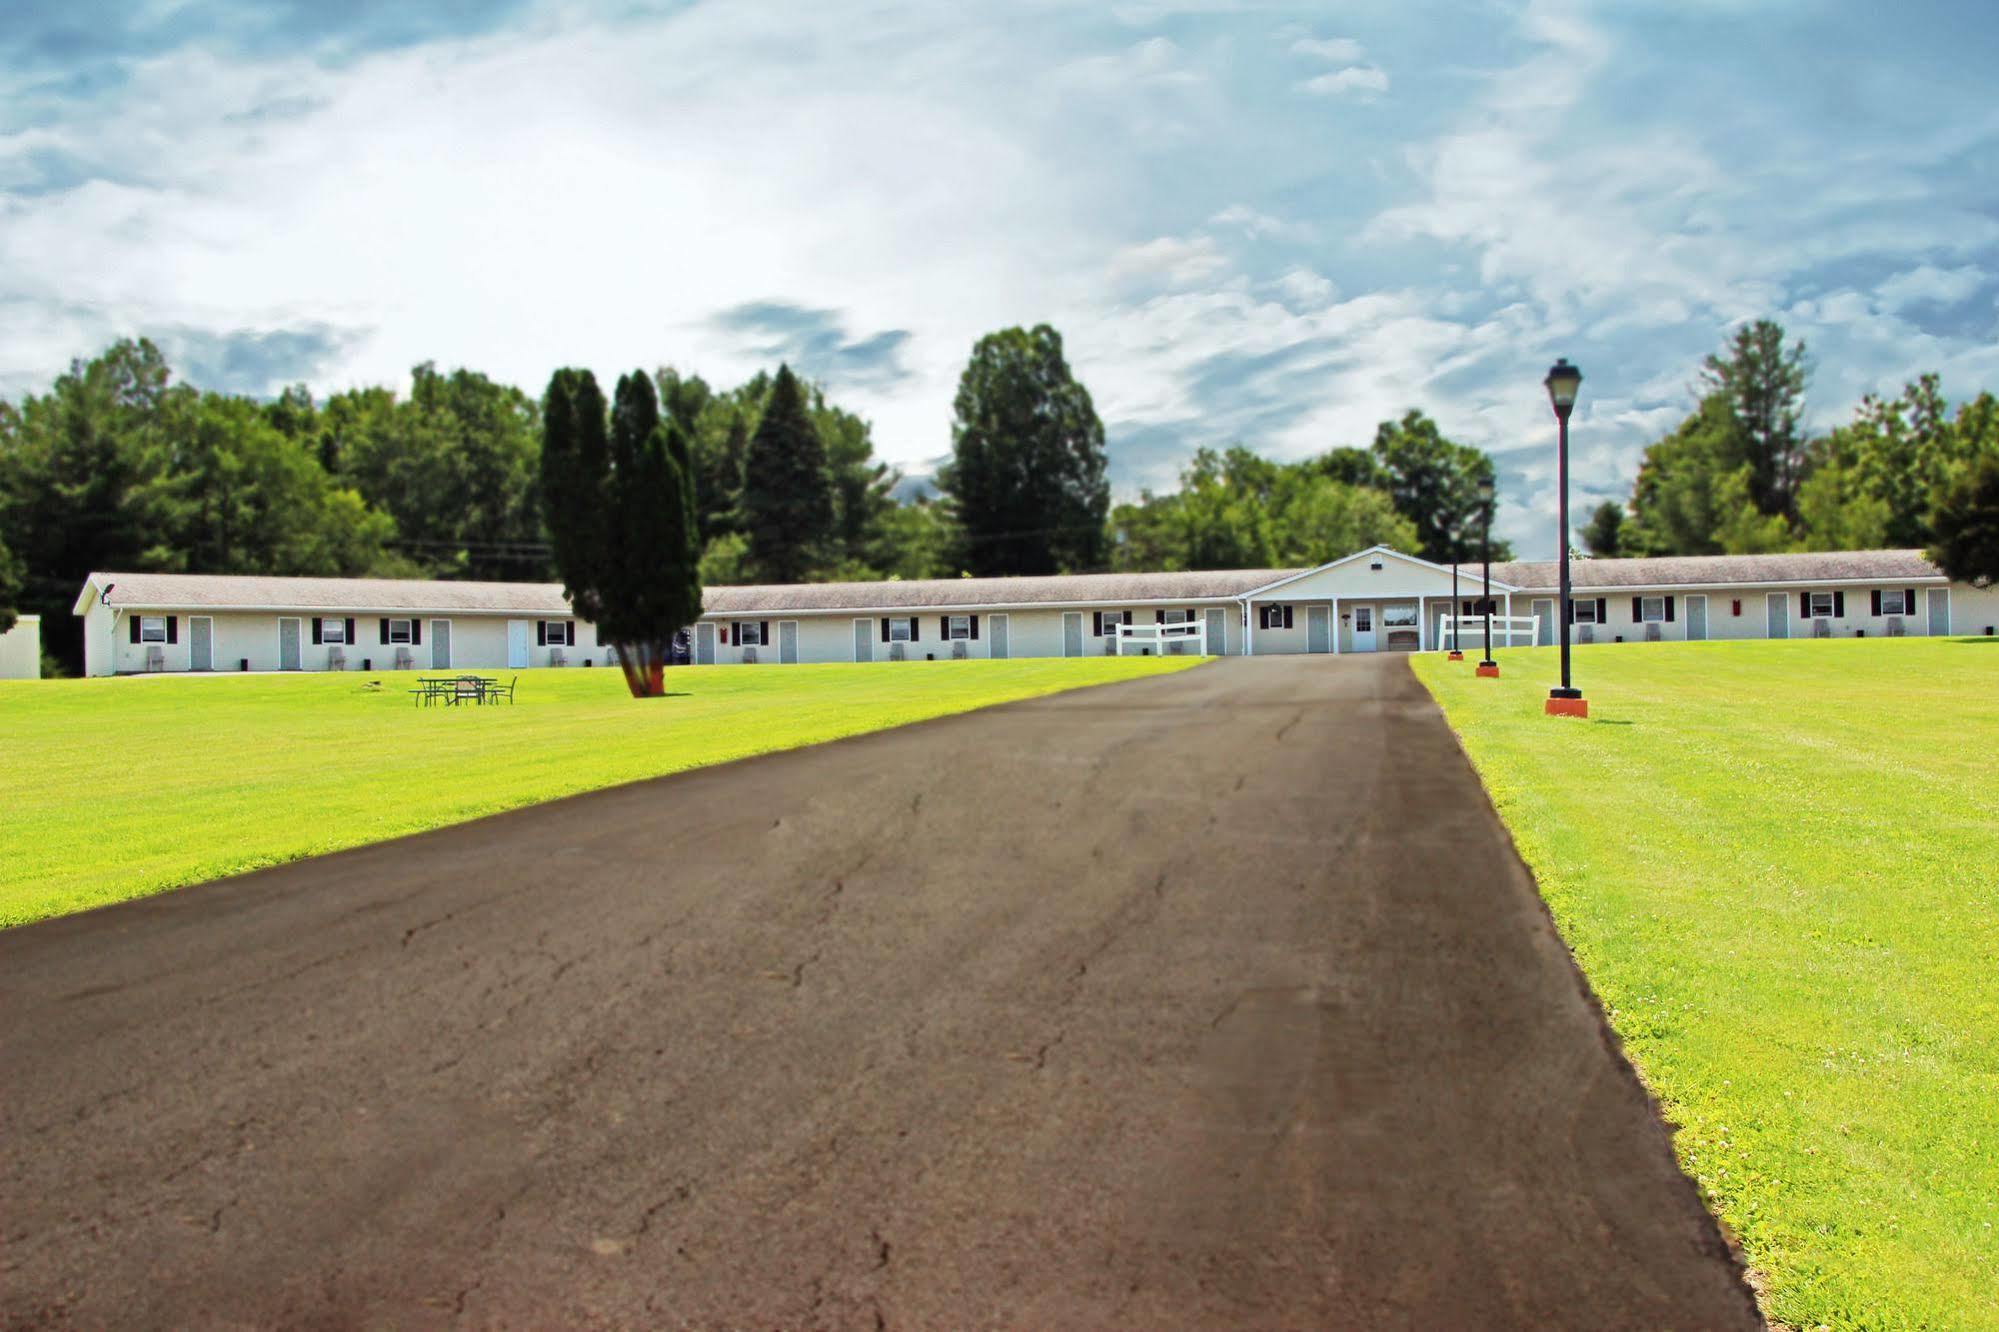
[(1377, 600)]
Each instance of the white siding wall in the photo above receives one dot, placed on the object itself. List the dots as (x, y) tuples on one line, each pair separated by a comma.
[(21, 650), (478, 642), (1753, 622)]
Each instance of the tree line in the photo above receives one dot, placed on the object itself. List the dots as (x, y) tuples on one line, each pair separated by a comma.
[(119, 465), (1741, 475)]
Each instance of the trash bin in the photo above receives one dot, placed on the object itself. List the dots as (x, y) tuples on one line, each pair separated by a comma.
[(367, 663), (242, 663)]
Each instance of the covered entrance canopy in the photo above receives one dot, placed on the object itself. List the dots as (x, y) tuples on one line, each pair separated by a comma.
[(1378, 600)]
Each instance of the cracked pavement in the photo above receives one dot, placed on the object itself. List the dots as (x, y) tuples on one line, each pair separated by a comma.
[(1212, 999)]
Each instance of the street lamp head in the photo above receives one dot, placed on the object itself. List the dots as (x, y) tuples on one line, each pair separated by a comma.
[(1486, 492), (1564, 382)]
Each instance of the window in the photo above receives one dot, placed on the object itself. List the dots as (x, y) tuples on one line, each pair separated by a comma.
[(555, 633), (1273, 617), (1363, 619), (749, 633), (1651, 610), (1820, 607), (333, 631), (1108, 621), (152, 628), (957, 626), (1176, 617), (901, 629), (399, 631), (1896, 603), (1585, 611), (1398, 617)]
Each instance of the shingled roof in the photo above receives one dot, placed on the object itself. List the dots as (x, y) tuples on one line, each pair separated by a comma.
[(1112, 589), (252, 592), (246, 592), (418, 596), (1832, 566)]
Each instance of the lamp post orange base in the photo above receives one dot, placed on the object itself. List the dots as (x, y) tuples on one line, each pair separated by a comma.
[(1568, 707), (1489, 669), (1454, 656)]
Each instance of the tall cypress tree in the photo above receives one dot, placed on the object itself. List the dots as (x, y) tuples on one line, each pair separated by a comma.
[(619, 515), (787, 495)]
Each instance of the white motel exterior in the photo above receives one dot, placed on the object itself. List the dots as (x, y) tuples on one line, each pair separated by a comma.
[(1377, 600)]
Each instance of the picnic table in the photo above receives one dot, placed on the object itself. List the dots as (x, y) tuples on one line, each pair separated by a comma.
[(451, 690)]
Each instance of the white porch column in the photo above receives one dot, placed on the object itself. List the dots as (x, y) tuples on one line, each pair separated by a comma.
[(1335, 627), (1248, 631)]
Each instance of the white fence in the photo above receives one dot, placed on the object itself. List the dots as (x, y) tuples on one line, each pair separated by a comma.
[(1507, 631), (1164, 639)]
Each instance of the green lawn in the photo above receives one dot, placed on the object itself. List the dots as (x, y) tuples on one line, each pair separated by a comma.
[(1778, 863), (119, 788)]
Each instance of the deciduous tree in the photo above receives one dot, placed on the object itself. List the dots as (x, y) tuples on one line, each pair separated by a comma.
[(1027, 470)]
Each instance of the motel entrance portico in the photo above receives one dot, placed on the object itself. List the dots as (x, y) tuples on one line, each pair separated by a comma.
[(1376, 601)]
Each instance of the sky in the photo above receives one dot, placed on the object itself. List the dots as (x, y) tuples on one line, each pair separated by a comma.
[(1269, 223)]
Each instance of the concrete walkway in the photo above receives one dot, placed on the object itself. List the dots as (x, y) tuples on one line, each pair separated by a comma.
[(1215, 999)]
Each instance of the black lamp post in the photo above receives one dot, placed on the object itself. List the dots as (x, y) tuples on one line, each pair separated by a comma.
[(1564, 382), (1487, 666), (1457, 607)]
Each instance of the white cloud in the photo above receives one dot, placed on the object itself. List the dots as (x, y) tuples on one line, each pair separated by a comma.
[(1259, 225), (1929, 285), (1337, 50), (1178, 261), (1358, 80)]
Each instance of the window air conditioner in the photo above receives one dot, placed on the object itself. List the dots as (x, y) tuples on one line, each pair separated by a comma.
[(957, 649), (749, 656)]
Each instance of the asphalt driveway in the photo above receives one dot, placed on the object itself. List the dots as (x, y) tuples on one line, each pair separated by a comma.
[(1214, 999)]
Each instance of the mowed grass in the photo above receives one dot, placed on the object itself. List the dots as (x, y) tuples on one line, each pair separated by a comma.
[(1778, 864), (112, 789)]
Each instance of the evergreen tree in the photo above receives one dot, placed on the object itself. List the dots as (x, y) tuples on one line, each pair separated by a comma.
[(10, 587), (1762, 380), (787, 497), (1604, 532), (1027, 470), (1966, 523), (619, 513)]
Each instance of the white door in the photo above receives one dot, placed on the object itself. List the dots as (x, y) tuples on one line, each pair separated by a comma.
[(864, 640), (1779, 609), (288, 644), (1544, 624), (1363, 628), (1696, 619), (996, 637), (517, 644), (1072, 633), (1939, 604), (201, 643), (440, 645), (704, 644), (787, 642)]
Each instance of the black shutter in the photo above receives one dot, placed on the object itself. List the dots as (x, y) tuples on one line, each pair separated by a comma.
[(541, 633), (1805, 604), (173, 628), (1637, 610), (1876, 610), (915, 628), (884, 628), (1096, 624), (1287, 617), (1909, 601), (315, 628), (943, 626), (350, 631), (1603, 610), (1669, 610), (135, 622), (385, 631), (1159, 617), (1839, 605), (975, 628), (763, 632)]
